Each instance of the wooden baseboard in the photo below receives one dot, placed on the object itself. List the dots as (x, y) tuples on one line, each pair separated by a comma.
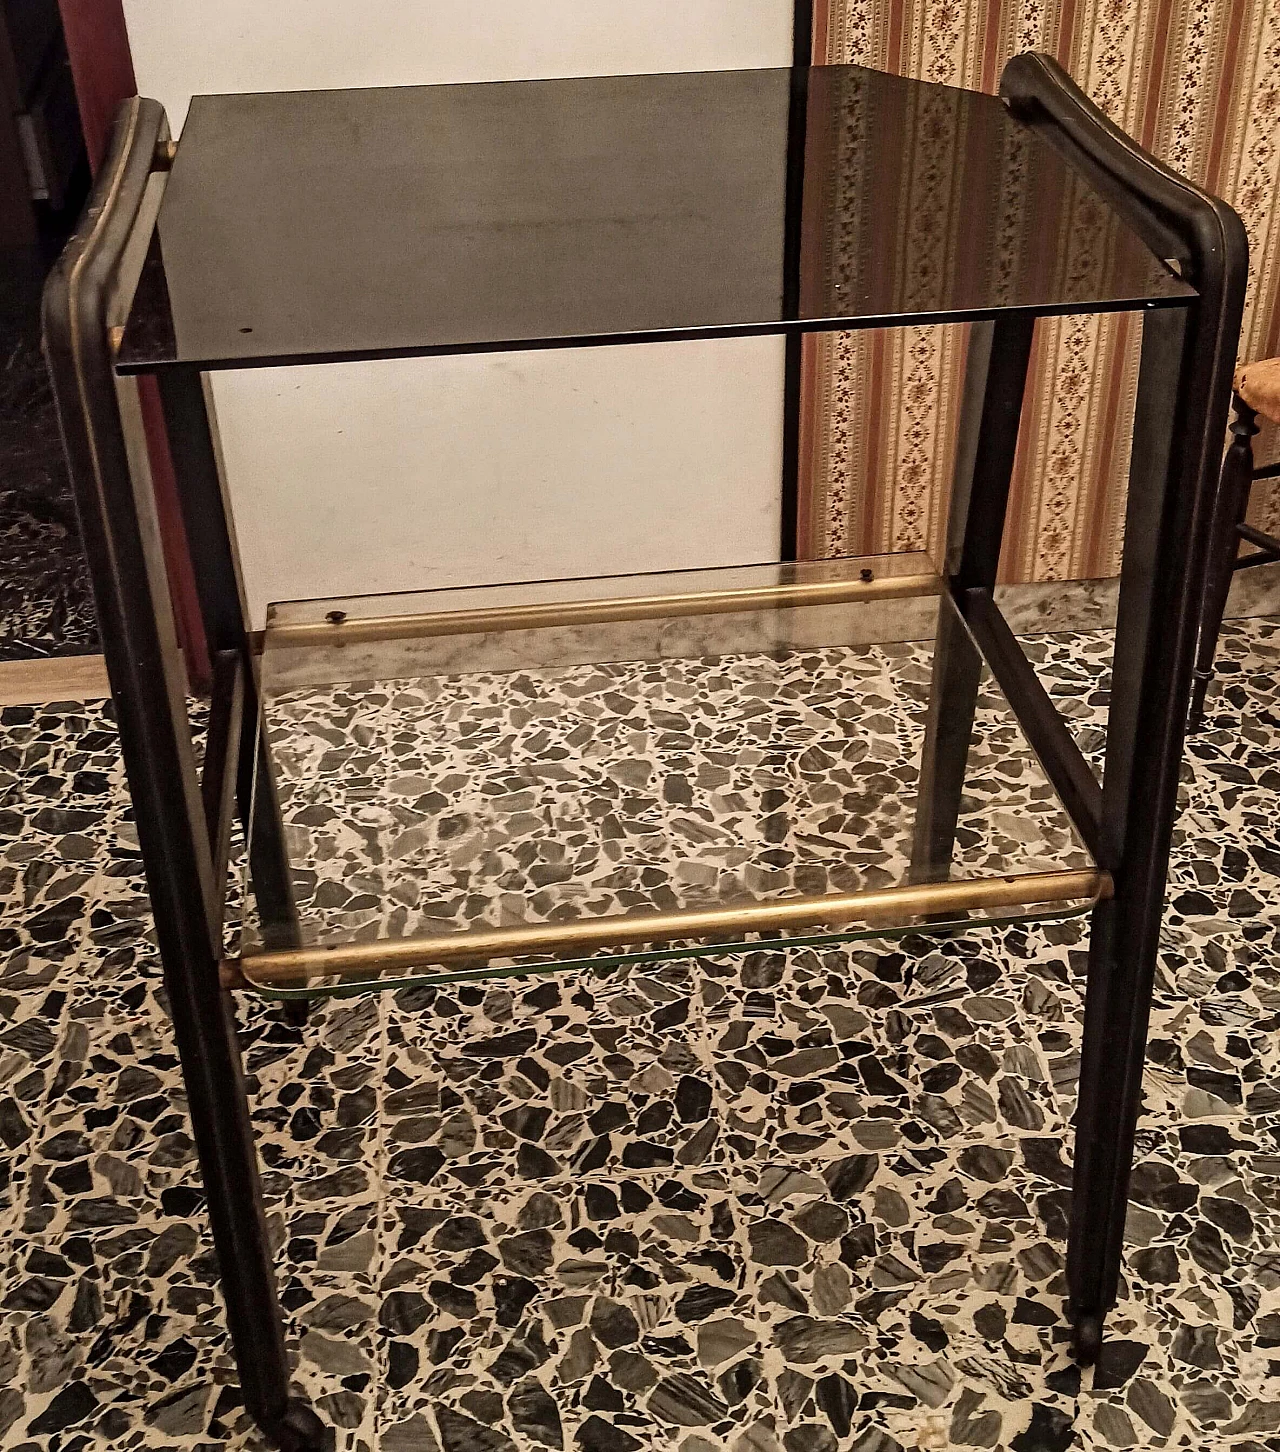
[(55, 678)]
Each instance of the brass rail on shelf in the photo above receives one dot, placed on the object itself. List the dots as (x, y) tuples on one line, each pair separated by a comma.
[(294, 968), (343, 630)]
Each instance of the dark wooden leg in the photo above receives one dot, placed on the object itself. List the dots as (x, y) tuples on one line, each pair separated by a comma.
[(953, 695), (147, 685), (204, 1025), (122, 545), (1155, 636), (161, 767), (205, 1030), (259, 806), (1229, 509), (995, 379), (193, 441)]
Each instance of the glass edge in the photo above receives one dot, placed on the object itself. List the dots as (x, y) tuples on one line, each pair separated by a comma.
[(920, 563), (490, 972)]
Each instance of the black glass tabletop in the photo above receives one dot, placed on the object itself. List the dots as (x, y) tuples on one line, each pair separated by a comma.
[(326, 225)]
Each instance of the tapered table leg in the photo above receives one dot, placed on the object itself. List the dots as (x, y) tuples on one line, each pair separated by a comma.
[(101, 424), (995, 380), (1155, 636), (188, 409)]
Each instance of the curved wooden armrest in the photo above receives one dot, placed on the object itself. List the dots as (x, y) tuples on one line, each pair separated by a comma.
[(1259, 385)]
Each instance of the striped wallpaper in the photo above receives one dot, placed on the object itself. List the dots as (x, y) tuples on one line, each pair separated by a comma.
[(1196, 82)]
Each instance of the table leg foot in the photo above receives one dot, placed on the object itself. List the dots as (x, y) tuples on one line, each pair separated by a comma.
[(1086, 1337), (300, 1430), (295, 1012)]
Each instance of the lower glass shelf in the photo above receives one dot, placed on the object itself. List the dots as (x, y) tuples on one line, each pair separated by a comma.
[(524, 778)]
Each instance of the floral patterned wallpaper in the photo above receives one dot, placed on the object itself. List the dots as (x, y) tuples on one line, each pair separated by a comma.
[(1197, 83)]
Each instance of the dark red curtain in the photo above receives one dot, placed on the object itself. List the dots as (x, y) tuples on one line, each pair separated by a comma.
[(98, 47)]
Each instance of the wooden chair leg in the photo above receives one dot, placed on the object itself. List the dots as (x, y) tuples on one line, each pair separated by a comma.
[(1228, 514)]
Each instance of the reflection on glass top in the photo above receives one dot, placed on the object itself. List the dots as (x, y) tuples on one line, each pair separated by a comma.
[(316, 225), (547, 774)]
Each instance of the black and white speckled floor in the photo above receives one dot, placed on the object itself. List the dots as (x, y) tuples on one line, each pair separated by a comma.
[(805, 1201)]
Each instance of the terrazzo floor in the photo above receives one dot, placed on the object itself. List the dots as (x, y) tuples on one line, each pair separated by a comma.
[(808, 1201)]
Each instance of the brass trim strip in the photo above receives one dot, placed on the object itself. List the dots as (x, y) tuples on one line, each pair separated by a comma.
[(343, 631), (293, 967)]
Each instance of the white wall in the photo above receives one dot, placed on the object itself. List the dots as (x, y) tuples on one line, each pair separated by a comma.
[(513, 466)]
